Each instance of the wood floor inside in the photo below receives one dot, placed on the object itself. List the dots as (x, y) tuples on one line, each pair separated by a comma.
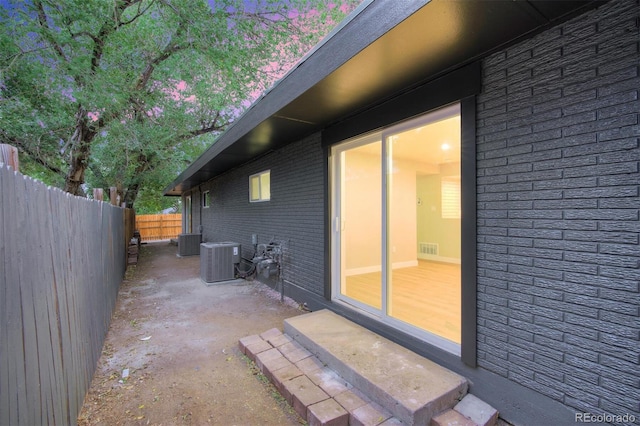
[(426, 296)]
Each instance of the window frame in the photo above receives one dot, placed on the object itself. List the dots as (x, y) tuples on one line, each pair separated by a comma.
[(206, 199), (450, 189), (262, 197)]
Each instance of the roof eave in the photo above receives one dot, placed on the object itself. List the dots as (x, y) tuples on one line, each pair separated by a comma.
[(360, 64)]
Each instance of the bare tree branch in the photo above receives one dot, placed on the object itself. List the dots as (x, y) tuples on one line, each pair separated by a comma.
[(170, 6), (166, 53), (216, 124), (138, 14), (34, 154), (43, 21), (14, 58)]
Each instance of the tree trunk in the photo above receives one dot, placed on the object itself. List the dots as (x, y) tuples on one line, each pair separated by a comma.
[(145, 163), (131, 195), (80, 153)]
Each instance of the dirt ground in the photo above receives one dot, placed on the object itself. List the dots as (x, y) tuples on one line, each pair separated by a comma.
[(178, 339)]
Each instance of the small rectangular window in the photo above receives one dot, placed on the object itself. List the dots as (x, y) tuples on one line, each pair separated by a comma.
[(206, 199), (260, 187), (450, 197)]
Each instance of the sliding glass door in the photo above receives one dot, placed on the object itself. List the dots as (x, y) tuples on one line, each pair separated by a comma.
[(396, 231), (360, 221)]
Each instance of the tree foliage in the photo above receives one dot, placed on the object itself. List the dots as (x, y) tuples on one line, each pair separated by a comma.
[(127, 93)]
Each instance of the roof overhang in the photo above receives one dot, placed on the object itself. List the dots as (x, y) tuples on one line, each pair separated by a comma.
[(382, 49)]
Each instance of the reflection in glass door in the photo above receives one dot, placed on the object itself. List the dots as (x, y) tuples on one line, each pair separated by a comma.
[(397, 231), (423, 223), (359, 221)]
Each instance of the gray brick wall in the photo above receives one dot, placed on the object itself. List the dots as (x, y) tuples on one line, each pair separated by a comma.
[(294, 216), (558, 212)]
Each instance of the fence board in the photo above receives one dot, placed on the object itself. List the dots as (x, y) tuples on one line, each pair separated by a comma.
[(154, 227), (28, 299), (49, 319), (78, 326), (4, 317), (45, 319), (61, 274), (62, 261), (17, 379)]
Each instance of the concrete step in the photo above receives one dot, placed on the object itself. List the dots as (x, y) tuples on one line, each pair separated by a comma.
[(316, 393), (411, 388), (394, 386)]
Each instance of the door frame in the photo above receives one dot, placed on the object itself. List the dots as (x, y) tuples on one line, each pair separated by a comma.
[(337, 252), (461, 85)]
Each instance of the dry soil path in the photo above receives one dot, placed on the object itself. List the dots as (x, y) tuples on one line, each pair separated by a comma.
[(178, 340)]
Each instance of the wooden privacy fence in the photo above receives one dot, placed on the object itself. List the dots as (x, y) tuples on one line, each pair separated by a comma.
[(62, 259), (159, 226)]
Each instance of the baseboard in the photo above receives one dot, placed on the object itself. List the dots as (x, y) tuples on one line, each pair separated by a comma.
[(436, 258), (378, 268)]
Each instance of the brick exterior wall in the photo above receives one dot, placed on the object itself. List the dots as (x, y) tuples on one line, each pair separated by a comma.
[(558, 212), (294, 216), (558, 219)]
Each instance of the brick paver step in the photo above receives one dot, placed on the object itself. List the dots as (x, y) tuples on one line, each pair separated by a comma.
[(319, 370), (409, 386)]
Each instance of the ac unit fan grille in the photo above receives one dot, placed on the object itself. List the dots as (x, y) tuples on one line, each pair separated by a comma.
[(189, 244), (217, 261)]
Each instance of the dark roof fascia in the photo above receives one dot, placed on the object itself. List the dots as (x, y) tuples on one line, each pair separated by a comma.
[(538, 8), (335, 50), (282, 115)]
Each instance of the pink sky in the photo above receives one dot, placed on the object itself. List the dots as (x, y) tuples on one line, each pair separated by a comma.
[(275, 69)]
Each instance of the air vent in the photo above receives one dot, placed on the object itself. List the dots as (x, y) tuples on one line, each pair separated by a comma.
[(189, 244), (429, 248), (217, 261)]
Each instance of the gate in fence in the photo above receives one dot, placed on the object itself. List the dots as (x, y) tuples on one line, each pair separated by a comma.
[(155, 227)]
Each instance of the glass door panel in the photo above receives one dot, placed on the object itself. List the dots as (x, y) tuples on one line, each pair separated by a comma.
[(423, 224), (359, 220)]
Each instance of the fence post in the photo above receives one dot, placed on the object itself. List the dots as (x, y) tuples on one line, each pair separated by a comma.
[(9, 156), (113, 195), (98, 194)]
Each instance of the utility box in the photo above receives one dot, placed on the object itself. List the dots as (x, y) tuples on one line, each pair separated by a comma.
[(189, 244), (218, 261)]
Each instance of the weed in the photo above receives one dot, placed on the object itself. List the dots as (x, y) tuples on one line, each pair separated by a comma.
[(282, 402)]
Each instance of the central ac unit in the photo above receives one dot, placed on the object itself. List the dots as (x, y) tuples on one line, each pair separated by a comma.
[(189, 244), (218, 260)]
